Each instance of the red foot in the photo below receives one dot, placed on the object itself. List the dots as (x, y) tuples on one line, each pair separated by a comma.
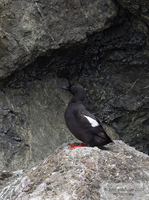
[(75, 146)]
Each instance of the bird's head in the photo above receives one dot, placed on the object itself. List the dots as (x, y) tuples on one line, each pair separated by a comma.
[(76, 90)]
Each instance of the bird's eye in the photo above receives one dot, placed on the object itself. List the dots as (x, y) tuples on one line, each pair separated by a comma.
[(73, 88)]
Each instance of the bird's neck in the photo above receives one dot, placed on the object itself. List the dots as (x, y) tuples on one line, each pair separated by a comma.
[(77, 98)]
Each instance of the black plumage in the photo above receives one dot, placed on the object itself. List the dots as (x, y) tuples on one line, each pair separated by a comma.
[(81, 123)]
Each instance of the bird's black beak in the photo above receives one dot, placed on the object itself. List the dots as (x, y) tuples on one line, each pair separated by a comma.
[(64, 88), (67, 88)]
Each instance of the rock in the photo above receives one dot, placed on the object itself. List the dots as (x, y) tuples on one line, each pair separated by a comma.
[(112, 64), (138, 7), (33, 28), (120, 172), (32, 122)]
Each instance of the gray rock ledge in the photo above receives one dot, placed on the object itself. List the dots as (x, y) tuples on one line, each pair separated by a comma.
[(120, 172)]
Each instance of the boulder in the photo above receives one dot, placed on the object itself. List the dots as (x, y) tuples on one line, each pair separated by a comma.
[(118, 172)]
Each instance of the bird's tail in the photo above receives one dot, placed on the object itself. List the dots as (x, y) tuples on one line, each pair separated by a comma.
[(103, 139)]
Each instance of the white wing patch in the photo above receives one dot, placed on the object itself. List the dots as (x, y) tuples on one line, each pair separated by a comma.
[(92, 121)]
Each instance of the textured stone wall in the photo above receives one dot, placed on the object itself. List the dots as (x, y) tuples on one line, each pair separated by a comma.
[(30, 28), (32, 122), (101, 44)]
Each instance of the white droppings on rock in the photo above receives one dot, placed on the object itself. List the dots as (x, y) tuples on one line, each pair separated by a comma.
[(20, 171), (34, 168)]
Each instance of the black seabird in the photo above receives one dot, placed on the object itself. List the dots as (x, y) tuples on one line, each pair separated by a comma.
[(81, 123)]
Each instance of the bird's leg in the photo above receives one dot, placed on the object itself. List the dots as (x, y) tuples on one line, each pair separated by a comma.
[(73, 146)]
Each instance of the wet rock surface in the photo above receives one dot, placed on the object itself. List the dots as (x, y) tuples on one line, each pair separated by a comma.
[(119, 172)]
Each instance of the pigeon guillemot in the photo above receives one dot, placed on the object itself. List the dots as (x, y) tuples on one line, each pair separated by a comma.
[(81, 123)]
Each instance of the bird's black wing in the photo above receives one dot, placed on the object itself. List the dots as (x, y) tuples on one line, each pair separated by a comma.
[(97, 129), (89, 118), (86, 118)]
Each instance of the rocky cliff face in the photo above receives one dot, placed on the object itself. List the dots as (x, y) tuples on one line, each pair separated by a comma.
[(120, 172), (30, 28), (44, 44)]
